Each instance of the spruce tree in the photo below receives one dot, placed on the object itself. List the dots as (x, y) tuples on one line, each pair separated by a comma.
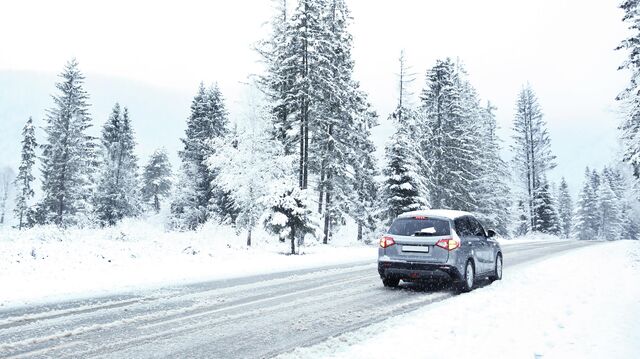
[(491, 187), (586, 217), (366, 188), (289, 215), (7, 177), (156, 180), (630, 127), (68, 158), (565, 209), (622, 186), (321, 114), (609, 221), (405, 172), (340, 138), (312, 60), (198, 198), (277, 81), (23, 181), (117, 194), (403, 189), (451, 114), (545, 210), (532, 149), (522, 220), (221, 204)]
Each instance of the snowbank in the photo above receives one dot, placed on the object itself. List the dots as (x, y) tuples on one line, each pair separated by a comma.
[(580, 304), (530, 237), (48, 264)]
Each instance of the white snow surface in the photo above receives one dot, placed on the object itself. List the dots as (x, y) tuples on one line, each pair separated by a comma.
[(445, 213), (579, 304), (47, 264)]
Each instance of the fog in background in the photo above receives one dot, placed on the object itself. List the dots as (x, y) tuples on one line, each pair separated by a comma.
[(150, 56)]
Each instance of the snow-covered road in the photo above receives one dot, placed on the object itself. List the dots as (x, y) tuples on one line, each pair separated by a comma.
[(257, 316)]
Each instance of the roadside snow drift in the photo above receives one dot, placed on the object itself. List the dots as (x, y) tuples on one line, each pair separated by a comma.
[(580, 304), (47, 264)]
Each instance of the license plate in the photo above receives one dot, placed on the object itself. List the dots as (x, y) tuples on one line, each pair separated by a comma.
[(421, 249)]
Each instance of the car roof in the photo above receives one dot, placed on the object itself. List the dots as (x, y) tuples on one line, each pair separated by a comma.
[(444, 213)]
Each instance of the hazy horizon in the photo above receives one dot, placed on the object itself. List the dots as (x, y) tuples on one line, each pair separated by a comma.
[(564, 49)]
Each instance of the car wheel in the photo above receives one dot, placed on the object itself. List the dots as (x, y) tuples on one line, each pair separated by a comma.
[(497, 272), (468, 278), (390, 282)]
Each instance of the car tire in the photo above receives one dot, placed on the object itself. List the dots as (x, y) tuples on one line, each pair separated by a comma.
[(390, 282), (468, 278), (497, 271)]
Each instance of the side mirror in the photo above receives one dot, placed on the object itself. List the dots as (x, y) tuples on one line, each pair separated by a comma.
[(491, 233)]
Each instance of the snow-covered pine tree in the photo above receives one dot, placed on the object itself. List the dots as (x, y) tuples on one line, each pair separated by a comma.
[(532, 149), (341, 142), (609, 221), (221, 204), (249, 164), (522, 219), (156, 180), (312, 61), (406, 116), (450, 111), (364, 209), (7, 177), (546, 213), (404, 185), (117, 195), (630, 127), (403, 189), (320, 112), (197, 196), (622, 185), (277, 53), (190, 204), (301, 65), (289, 215), (565, 209), (23, 182), (69, 154), (586, 216), (492, 190)]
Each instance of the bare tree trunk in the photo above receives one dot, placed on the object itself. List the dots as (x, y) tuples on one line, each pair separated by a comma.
[(327, 219), (301, 169), (359, 232), (306, 154), (321, 187), (156, 201), (249, 238), (532, 170), (293, 240)]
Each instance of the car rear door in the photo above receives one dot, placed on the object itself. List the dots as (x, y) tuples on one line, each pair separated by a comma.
[(469, 242), (483, 249)]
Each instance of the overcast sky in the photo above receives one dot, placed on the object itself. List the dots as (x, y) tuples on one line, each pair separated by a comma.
[(563, 48)]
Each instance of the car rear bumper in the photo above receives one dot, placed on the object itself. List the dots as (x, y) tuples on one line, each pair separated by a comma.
[(418, 271)]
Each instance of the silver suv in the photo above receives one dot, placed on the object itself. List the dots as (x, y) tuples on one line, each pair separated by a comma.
[(438, 245)]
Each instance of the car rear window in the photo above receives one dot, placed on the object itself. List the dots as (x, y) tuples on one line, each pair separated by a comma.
[(430, 227)]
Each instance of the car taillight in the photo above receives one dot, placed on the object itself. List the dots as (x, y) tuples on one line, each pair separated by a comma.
[(386, 242), (448, 244)]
